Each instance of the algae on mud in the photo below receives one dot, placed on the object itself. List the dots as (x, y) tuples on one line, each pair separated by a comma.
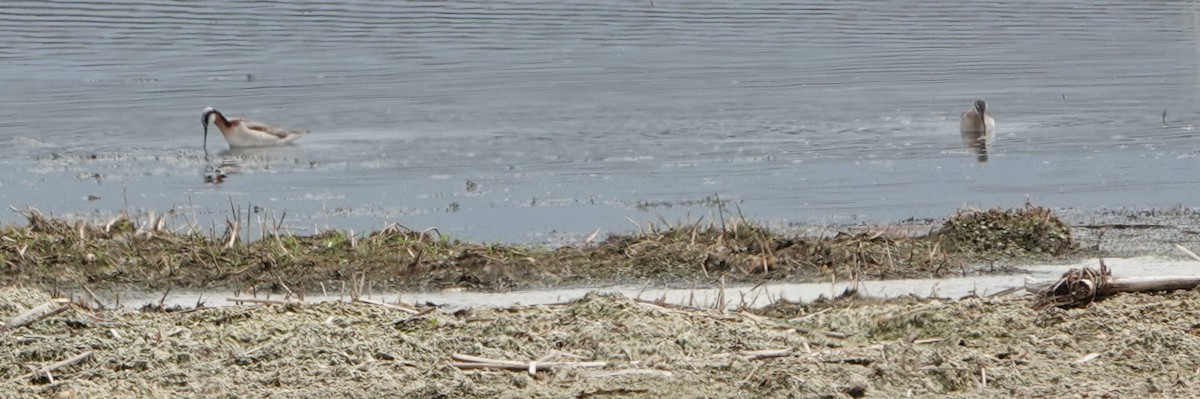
[(51, 252), (1144, 345)]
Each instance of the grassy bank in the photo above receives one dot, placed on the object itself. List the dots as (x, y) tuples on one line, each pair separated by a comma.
[(53, 252)]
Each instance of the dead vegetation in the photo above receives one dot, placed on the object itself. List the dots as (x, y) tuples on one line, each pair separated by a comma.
[(49, 252), (1081, 287), (609, 345), (1031, 230)]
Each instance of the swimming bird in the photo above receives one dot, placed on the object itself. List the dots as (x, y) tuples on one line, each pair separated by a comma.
[(243, 133), (978, 129)]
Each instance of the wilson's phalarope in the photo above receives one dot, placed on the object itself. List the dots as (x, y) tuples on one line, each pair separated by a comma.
[(243, 133), (978, 129)]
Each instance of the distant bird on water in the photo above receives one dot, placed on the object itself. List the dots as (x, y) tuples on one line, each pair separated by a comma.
[(243, 133), (978, 129)]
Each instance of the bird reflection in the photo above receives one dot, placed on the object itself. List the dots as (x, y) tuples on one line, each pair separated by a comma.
[(978, 129), (236, 160), (218, 174)]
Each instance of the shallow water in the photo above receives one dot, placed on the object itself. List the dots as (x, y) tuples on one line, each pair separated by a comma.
[(569, 118)]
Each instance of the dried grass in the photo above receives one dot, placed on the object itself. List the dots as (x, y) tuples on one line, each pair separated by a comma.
[(975, 348), (153, 254)]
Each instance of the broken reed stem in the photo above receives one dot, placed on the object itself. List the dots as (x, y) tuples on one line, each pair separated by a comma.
[(664, 306), (162, 301), (290, 294), (756, 355), (830, 334), (55, 306), (923, 341), (94, 297), (1087, 358), (46, 370), (356, 286), (467, 362), (387, 305), (1188, 252), (619, 373), (260, 301)]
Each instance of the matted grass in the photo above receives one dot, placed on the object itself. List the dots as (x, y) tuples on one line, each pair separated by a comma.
[(49, 252), (1133, 345)]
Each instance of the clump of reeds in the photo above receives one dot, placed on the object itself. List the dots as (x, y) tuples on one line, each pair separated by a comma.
[(1027, 230)]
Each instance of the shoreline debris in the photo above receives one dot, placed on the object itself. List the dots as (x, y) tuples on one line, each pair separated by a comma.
[(1081, 287)]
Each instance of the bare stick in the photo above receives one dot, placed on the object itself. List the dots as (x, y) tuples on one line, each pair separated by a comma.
[(257, 348), (55, 306), (280, 224), (1087, 358), (476, 359), (232, 228), (474, 362), (249, 210), (661, 305), (765, 354), (260, 301), (387, 305), (751, 375), (807, 316), (618, 373), (756, 355), (924, 341), (285, 288), (526, 366), (830, 334), (94, 297), (1188, 252), (46, 370), (720, 211), (163, 300)]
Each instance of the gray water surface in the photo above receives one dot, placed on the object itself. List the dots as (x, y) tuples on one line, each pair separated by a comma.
[(571, 117)]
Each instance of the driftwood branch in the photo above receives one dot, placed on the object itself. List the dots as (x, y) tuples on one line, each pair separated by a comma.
[(1080, 287), (474, 362)]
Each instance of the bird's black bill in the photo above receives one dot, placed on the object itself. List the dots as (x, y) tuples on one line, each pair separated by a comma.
[(205, 141)]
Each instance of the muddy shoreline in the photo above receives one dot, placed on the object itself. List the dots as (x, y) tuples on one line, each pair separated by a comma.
[(603, 344)]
